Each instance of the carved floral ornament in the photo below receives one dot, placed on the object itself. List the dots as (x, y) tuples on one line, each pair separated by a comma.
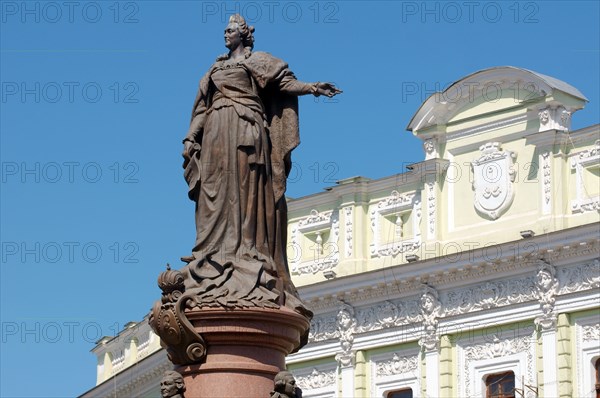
[(493, 178), (590, 333), (317, 379), (397, 365), (424, 309)]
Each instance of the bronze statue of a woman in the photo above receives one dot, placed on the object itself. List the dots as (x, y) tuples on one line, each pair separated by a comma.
[(236, 158)]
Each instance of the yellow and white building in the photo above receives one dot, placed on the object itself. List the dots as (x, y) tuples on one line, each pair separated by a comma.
[(476, 273)]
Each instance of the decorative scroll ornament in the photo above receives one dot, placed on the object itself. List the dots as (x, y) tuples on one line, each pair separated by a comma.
[(323, 328), (591, 332), (584, 277), (546, 285), (346, 325), (493, 177), (317, 379), (431, 310), (497, 348), (168, 320), (554, 118), (397, 365)]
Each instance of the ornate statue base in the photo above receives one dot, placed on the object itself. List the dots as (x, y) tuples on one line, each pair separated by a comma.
[(246, 348), (224, 352)]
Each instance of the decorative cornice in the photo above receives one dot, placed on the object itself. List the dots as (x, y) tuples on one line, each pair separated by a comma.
[(417, 311)]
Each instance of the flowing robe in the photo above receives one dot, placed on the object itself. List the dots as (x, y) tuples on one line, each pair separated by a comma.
[(244, 127)]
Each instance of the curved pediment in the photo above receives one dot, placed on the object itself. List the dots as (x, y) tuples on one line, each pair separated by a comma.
[(493, 90)]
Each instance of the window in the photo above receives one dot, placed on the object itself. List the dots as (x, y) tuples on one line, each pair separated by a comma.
[(597, 366), (500, 385), (403, 393)]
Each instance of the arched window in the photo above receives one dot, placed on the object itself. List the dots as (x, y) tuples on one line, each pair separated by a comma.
[(403, 393), (500, 385)]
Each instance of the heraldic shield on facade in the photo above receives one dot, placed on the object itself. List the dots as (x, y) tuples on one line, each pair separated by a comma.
[(493, 177)]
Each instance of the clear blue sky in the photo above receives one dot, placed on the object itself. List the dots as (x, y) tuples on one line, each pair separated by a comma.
[(96, 97)]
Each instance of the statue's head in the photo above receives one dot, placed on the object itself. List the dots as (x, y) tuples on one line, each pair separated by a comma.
[(238, 31), (285, 384), (172, 385), (546, 276), (345, 316), (429, 299)]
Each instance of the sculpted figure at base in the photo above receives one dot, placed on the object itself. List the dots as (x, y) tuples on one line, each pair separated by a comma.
[(236, 153), (172, 385), (285, 386)]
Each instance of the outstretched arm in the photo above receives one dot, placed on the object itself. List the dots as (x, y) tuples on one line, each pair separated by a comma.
[(289, 84)]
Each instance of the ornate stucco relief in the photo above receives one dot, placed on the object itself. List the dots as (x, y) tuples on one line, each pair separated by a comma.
[(395, 206), (493, 177), (326, 255), (579, 161)]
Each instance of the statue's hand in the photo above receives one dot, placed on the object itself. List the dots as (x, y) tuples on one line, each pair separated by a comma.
[(327, 89), (189, 148)]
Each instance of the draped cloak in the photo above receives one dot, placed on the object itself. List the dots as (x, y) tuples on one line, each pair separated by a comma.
[(249, 281)]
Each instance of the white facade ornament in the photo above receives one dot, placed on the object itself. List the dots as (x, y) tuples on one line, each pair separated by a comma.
[(588, 159), (430, 147), (315, 219), (346, 325), (554, 118), (546, 182), (349, 223), (493, 177), (546, 285), (316, 379), (431, 310), (476, 355), (489, 295), (397, 365), (497, 348), (431, 207), (323, 328), (396, 205), (590, 333), (316, 224), (583, 277), (387, 315)]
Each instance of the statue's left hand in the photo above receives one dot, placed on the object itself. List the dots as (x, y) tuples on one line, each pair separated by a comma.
[(327, 89)]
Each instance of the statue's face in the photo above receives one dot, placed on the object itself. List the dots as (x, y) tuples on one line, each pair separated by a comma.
[(544, 279), (345, 319), (290, 386), (168, 388), (427, 302), (232, 36)]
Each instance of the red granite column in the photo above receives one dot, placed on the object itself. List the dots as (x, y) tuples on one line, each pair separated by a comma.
[(246, 348)]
